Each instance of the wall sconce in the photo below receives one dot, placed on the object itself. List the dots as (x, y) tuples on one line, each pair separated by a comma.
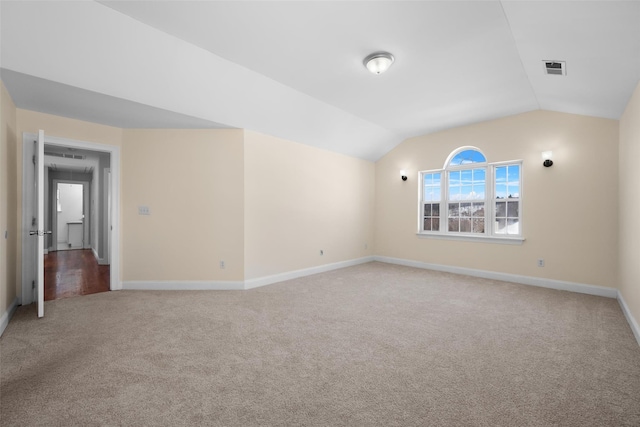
[(546, 156), (403, 175)]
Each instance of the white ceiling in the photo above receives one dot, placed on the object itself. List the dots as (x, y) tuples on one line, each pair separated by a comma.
[(294, 69)]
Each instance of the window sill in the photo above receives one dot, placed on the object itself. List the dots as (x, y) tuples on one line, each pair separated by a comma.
[(473, 238)]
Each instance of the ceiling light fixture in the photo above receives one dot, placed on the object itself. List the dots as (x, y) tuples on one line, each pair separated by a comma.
[(378, 62)]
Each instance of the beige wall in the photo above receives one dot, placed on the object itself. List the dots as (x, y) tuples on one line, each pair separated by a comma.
[(8, 200), (569, 210), (193, 182), (630, 205), (296, 201), (300, 200)]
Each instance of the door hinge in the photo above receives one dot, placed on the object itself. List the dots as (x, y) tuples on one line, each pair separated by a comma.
[(33, 284), (33, 159), (33, 221)]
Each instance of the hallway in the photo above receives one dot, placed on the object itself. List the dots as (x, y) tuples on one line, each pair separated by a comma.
[(72, 273)]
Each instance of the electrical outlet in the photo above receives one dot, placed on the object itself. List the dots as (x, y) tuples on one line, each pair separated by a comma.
[(540, 262), (144, 210), (222, 265), (366, 246), (321, 252)]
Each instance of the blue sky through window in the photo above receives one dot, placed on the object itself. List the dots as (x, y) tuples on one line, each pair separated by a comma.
[(508, 181), (467, 157), (432, 187)]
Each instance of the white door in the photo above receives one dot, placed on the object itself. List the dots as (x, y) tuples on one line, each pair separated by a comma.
[(39, 232)]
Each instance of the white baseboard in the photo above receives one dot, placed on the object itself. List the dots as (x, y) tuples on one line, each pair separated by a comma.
[(195, 285), (7, 315), (239, 284), (630, 319), (100, 261), (281, 277), (505, 277)]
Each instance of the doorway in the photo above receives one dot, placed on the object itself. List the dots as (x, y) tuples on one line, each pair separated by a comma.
[(98, 222), (69, 212)]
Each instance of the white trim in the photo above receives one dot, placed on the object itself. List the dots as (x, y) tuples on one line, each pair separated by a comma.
[(193, 285), (506, 277), (472, 238), (289, 275), (100, 261), (633, 324), (7, 315), (115, 163), (239, 284), (26, 292)]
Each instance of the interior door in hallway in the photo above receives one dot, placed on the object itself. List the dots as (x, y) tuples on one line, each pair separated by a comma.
[(33, 271)]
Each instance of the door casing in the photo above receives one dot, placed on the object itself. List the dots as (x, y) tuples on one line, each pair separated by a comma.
[(28, 188)]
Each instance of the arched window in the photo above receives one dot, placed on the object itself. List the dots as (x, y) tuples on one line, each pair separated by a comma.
[(465, 156), (471, 197)]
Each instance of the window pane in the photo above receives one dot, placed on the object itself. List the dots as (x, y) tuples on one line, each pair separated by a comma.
[(465, 209), (454, 193), (513, 209), (478, 225), (513, 226), (478, 192), (465, 225), (435, 224), (501, 174), (465, 192), (479, 175), (432, 191), (453, 209), (501, 225), (467, 156), (514, 173), (427, 224), (501, 209), (501, 191), (454, 178), (435, 209), (431, 195), (465, 176), (478, 209), (427, 209), (514, 190), (454, 224)]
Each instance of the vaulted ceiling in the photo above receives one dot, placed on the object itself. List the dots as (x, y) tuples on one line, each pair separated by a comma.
[(293, 69)]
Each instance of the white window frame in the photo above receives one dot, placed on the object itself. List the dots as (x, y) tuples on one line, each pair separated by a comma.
[(489, 200)]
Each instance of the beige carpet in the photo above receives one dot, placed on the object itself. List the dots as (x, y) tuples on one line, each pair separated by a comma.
[(372, 345)]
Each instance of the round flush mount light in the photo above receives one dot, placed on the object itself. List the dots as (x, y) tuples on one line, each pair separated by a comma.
[(378, 62)]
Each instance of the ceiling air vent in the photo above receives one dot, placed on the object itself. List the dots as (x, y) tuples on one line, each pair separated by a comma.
[(555, 68), (66, 156)]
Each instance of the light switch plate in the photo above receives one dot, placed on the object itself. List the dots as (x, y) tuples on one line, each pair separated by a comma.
[(144, 210)]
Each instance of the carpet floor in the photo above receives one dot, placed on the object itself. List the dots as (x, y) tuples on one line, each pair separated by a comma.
[(370, 345)]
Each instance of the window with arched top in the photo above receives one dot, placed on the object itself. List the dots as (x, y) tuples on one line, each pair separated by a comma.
[(471, 197)]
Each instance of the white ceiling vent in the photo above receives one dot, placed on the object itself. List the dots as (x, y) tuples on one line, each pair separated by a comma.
[(65, 155), (555, 68)]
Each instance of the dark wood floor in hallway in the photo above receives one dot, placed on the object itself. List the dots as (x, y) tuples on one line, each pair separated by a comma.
[(73, 273)]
